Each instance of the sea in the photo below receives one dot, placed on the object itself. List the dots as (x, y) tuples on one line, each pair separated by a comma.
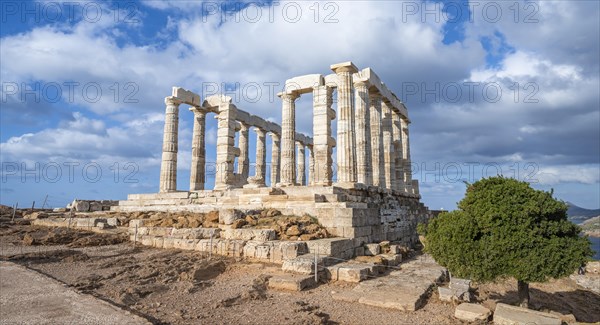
[(595, 246)]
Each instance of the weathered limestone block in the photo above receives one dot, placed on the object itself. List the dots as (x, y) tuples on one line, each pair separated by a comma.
[(471, 312), (228, 216), (303, 264), (250, 234), (291, 282), (95, 206), (372, 249), (348, 272), (80, 206), (512, 315)]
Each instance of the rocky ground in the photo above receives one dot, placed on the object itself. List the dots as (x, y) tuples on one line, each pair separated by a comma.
[(182, 287)]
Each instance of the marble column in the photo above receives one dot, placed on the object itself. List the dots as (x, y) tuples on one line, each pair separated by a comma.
[(406, 157), (311, 165), (168, 167), (243, 160), (322, 116), (363, 133), (388, 146), (275, 158), (197, 172), (398, 161), (301, 174), (226, 151), (377, 161), (288, 138), (261, 158), (346, 148)]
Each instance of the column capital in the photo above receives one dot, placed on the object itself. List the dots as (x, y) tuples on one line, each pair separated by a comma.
[(243, 126), (361, 83), (275, 136), (288, 96), (260, 131), (300, 144), (374, 94), (198, 110), (344, 67), (170, 100)]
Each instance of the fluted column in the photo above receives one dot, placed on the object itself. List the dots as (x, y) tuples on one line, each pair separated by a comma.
[(275, 158), (398, 161), (288, 137), (261, 162), (197, 176), (168, 166), (243, 160), (377, 161), (322, 144), (226, 151), (346, 149), (301, 175), (363, 133), (406, 157), (388, 146), (311, 165)]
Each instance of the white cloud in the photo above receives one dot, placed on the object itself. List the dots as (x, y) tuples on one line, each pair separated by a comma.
[(568, 174)]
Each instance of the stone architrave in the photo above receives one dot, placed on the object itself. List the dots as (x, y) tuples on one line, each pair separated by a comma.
[(168, 167), (322, 116), (377, 161), (275, 158), (288, 138), (197, 172), (346, 149)]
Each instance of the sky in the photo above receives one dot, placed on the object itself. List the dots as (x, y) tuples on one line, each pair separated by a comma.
[(492, 87)]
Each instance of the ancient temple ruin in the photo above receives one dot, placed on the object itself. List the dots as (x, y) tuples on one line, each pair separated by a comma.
[(368, 195)]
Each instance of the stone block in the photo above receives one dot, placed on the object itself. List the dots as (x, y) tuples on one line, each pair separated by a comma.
[(291, 282), (80, 206), (472, 312), (359, 251), (511, 315), (136, 222), (349, 272), (228, 216), (392, 259), (95, 206), (372, 249), (147, 240), (303, 264)]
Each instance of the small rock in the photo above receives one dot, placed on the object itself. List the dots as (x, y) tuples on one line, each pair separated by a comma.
[(239, 223), (372, 249), (293, 231), (28, 240)]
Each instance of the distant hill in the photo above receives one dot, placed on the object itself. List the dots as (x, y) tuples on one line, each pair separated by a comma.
[(578, 214)]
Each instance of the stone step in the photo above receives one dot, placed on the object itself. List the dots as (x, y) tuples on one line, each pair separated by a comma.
[(158, 196), (291, 282), (304, 264), (334, 247), (508, 315), (350, 272), (404, 290)]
